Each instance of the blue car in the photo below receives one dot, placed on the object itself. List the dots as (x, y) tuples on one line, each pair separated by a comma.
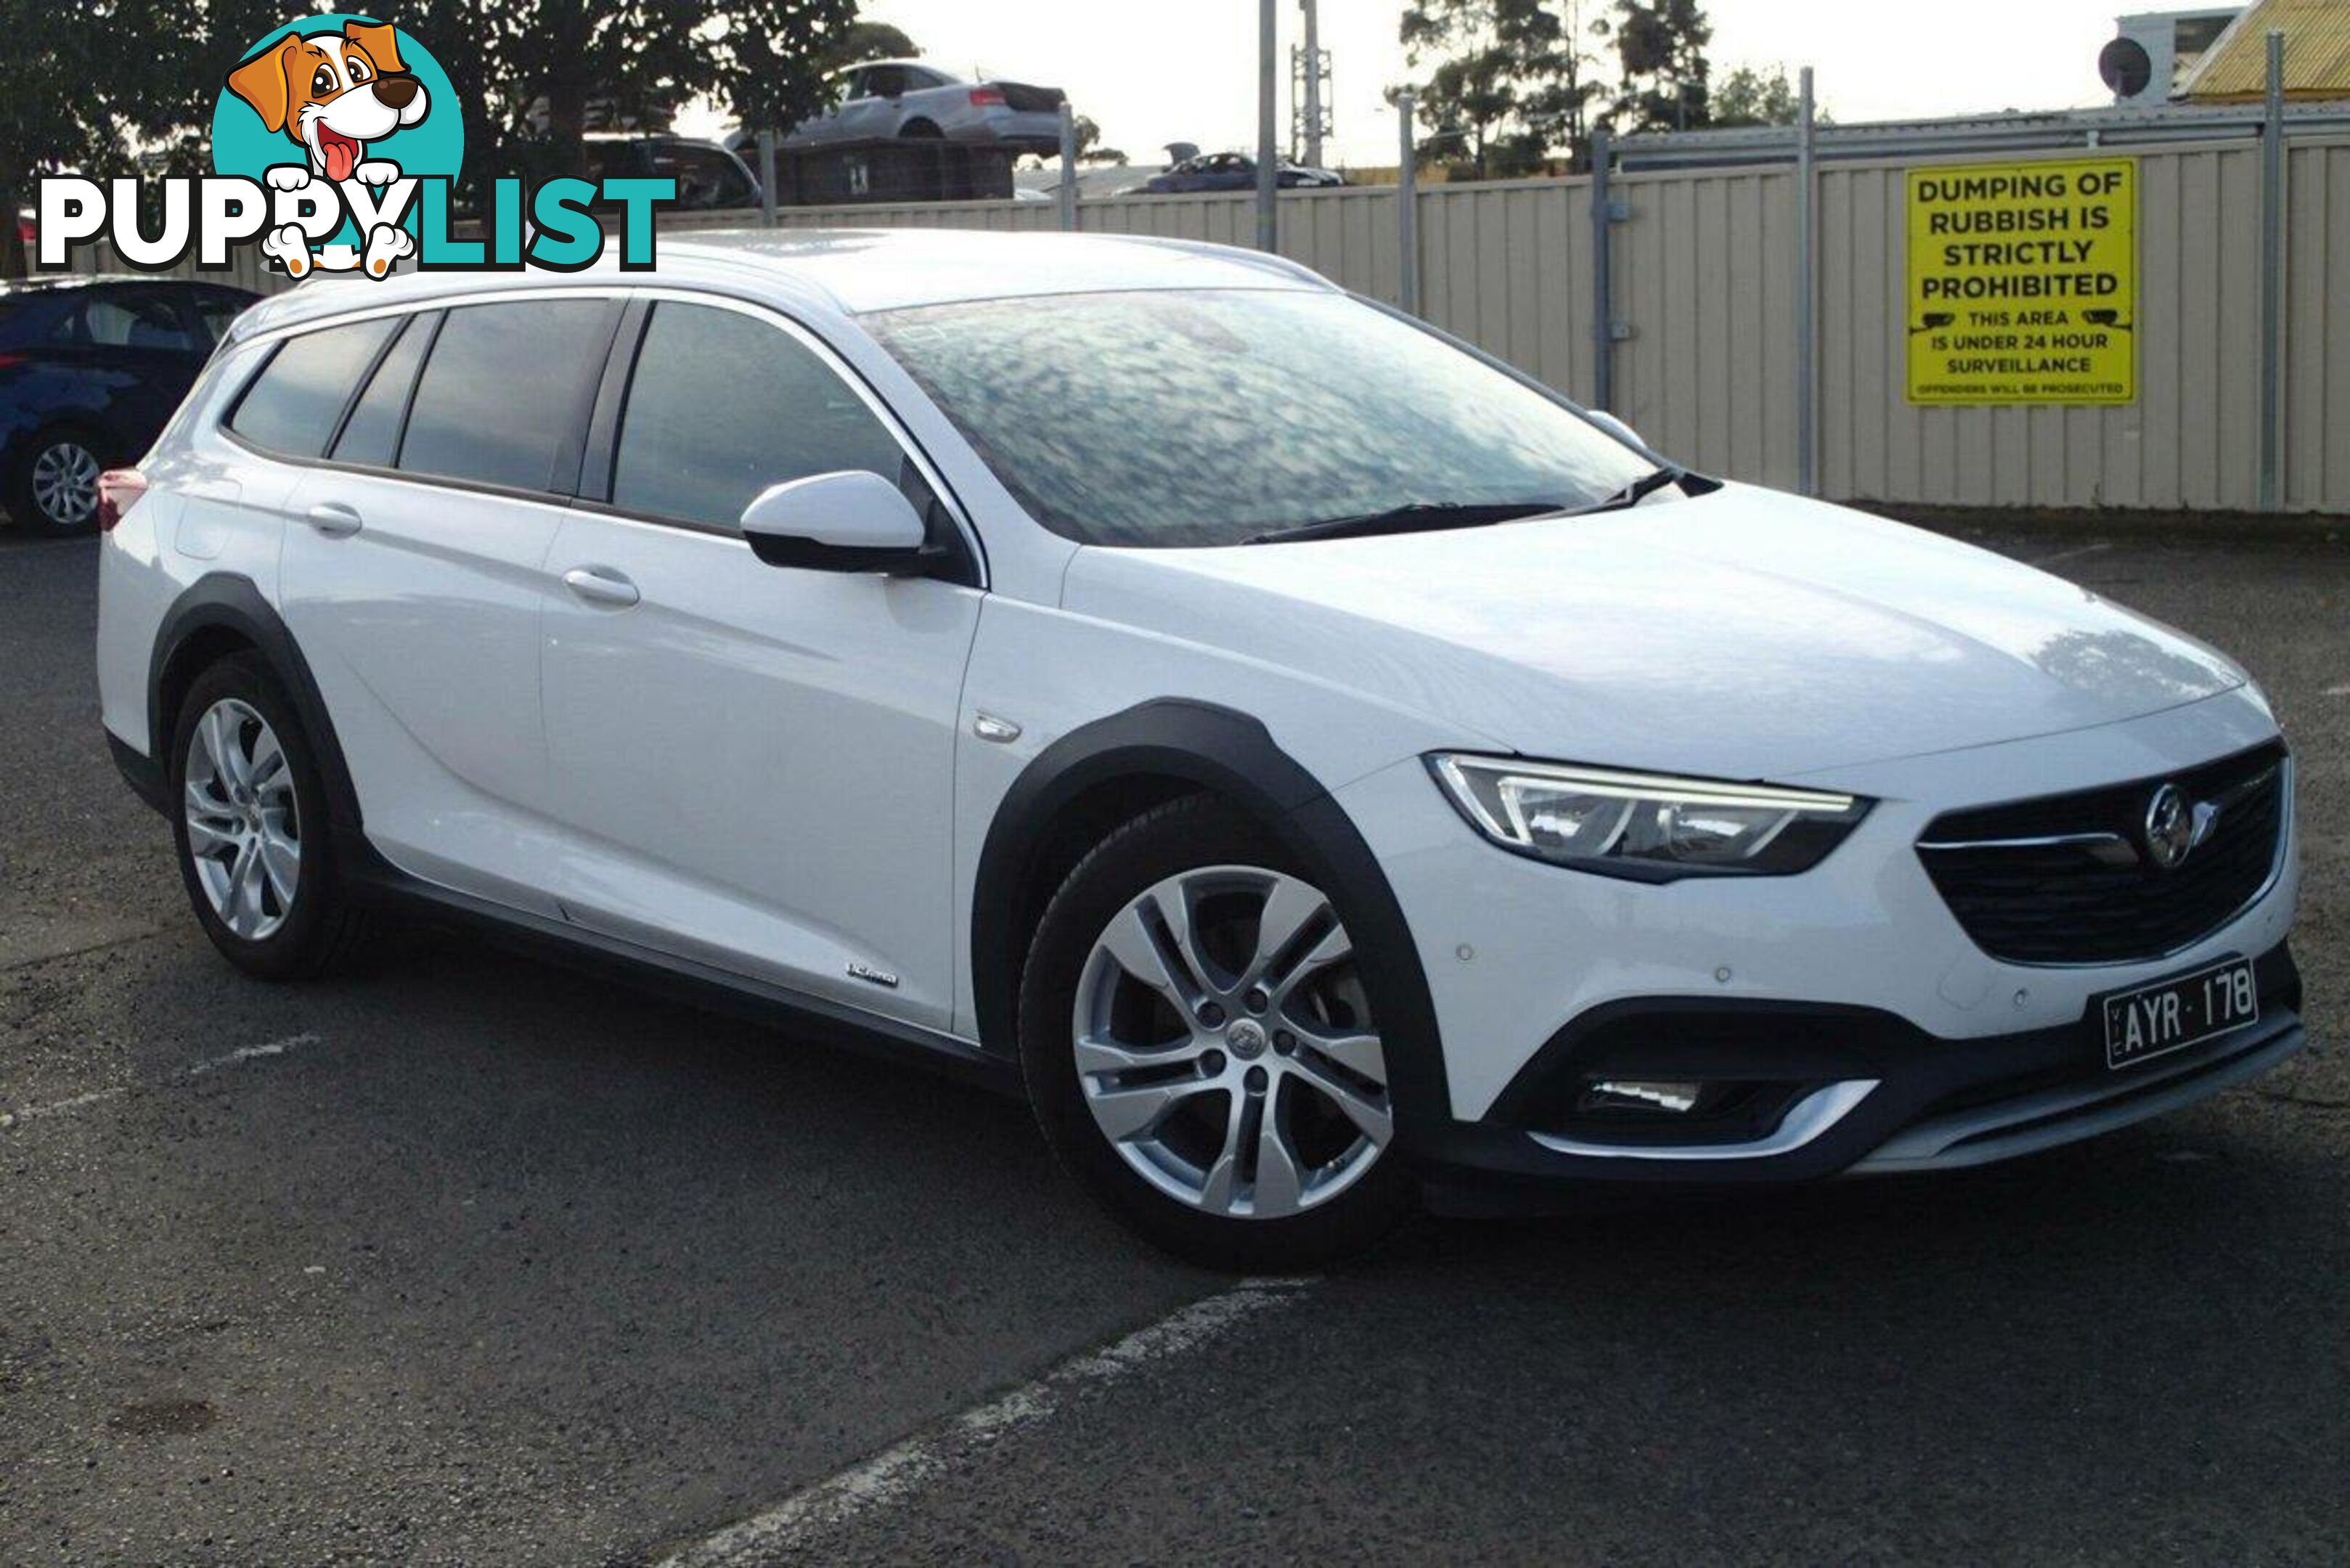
[(90, 370)]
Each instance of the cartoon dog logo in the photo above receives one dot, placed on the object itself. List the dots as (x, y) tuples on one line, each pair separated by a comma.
[(331, 94)]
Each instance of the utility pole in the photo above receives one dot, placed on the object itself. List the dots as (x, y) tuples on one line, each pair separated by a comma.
[(1310, 83), (1268, 126)]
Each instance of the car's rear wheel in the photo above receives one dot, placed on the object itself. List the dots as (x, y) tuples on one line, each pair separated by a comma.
[(920, 130), (1203, 1051), (251, 826), (55, 488)]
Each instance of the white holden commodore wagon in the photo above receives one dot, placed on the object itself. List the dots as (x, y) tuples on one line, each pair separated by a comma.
[(1320, 767)]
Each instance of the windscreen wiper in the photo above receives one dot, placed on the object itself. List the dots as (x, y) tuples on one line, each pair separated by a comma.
[(1420, 518), (1639, 490)]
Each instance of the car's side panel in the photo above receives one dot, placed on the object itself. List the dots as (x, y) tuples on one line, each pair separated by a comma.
[(210, 512), (753, 767), (1054, 673), (423, 626)]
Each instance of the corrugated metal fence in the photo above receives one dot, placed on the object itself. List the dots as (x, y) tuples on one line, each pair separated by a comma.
[(1705, 285)]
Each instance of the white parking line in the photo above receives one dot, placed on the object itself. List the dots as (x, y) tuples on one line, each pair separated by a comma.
[(236, 1058), (897, 1473)]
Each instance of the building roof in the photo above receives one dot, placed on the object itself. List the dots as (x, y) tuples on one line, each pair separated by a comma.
[(2316, 54)]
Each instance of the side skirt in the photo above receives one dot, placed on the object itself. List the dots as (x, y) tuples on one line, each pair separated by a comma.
[(569, 946)]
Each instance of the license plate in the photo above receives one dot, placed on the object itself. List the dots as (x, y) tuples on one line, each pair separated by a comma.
[(2156, 1019)]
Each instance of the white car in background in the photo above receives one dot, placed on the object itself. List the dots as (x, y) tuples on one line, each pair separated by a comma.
[(1317, 765), (892, 100)]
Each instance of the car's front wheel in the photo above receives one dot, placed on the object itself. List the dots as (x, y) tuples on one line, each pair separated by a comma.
[(53, 490), (251, 826), (1203, 1049)]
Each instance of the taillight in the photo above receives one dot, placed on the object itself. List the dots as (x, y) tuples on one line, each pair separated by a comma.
[(119, 490), (9, 362), (987, 97)]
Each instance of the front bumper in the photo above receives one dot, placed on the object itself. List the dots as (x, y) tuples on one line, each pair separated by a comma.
[(1873, 1095), (1854, 977)]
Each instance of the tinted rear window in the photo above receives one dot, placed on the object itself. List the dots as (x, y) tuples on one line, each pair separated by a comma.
[(371, 435), (291, 407), (506, 390)]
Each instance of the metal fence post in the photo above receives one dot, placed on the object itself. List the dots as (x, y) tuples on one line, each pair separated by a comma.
[(1603, 274), (767, 177), (1268, 127), (2273, 173), (1068, 190), (1407, 208), (1807, 295)]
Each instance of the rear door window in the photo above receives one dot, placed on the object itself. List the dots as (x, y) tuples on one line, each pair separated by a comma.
[(506, 391), (293, 406), (371, 435), (721, 406)]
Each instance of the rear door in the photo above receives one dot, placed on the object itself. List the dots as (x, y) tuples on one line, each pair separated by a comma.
[(412, 578), (754, 766), (873, 110)]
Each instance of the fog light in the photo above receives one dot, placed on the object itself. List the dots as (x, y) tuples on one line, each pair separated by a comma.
[(1642, 1095)]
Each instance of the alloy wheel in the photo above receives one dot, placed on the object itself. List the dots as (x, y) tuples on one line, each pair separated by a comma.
[(65, 484), (244, 830), (1225, 1047)]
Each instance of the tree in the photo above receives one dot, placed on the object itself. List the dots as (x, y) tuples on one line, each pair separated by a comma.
[(1752, 97), (862, 41), (1661, 46), (1499, 65), (74, 98), (1090, 147), (1565, 103), (633, 60)]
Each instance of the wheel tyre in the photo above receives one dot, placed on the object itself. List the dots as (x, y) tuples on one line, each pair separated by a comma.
[(1183, 835), (79, 453), (322, 930), (920, 130)]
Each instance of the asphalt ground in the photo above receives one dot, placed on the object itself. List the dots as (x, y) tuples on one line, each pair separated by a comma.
[(467, 1259)]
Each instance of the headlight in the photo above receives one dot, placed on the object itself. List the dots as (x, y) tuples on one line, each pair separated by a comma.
[(1644, 826)]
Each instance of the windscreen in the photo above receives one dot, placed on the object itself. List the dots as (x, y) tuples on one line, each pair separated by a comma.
[(1210, 417)]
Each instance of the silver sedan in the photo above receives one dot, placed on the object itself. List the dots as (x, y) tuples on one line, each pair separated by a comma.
[(888, 100)]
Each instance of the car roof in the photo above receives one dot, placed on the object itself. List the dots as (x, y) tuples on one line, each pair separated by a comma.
[(852, 271), (866, 65)]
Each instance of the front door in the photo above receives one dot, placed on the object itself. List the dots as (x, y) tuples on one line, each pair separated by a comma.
[(754, 764)]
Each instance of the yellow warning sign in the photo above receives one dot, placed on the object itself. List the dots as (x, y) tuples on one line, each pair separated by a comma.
[(2023, 283)]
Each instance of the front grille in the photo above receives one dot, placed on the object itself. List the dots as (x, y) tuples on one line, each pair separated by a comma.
[(2071, 880)]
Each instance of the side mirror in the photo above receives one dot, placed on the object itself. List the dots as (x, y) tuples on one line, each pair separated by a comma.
[(1615, 427), (838, 522)]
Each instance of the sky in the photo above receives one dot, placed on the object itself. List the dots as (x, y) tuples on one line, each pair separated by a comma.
[(1154, 71)]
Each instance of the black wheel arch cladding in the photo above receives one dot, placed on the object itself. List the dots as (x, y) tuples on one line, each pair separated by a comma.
[(1229, 753), (224, 602)]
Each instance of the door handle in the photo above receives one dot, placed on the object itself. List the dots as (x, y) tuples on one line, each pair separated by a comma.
[(601, 585), (334, 519)]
